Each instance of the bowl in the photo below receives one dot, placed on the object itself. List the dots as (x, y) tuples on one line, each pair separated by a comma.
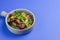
[(17, 31)]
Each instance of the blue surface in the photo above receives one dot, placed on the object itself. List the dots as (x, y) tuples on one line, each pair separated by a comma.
[(47, 13)]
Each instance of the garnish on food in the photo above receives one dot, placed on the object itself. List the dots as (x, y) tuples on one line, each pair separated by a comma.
[(19, 20)]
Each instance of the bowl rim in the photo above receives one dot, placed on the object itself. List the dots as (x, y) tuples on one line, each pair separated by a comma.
[(20, 10)]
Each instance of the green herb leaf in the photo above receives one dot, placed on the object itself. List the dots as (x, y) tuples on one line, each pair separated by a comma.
[(15, 27), (27, 25), (8, 20), (23, 14), (16, 14), (29, 21)]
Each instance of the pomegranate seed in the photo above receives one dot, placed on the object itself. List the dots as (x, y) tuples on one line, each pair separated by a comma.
[(15, 19), (10, 15)]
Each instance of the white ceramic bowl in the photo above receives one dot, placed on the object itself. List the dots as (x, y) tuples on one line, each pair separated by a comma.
[(17, 31)]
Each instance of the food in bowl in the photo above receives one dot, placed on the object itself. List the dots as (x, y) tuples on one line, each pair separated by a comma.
[(19, 20)]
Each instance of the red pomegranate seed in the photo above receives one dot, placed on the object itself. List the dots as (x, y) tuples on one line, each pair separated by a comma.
[(15, 19), (10, 15)]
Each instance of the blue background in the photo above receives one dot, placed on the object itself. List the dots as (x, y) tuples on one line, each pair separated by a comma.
[(47, 13)]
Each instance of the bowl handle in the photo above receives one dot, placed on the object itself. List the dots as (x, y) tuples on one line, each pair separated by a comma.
[(3, 13)]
